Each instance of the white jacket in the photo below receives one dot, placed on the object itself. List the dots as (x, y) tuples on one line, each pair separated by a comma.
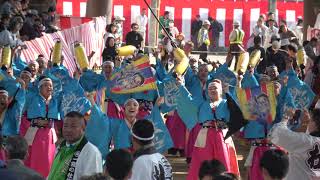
[(151, 167), (89, 162), (304, 152)]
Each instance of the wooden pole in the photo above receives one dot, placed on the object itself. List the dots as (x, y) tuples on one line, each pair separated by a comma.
[(97, 8)]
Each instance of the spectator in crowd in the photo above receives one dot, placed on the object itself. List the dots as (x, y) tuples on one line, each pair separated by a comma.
[(292, 50), (203, 40), (51, 15), (16, 151), (111, 31), (76, 156), (309, 49), (259, 30), (188, 48), (210, 169), (195, 28), (286, 33), (216, 28), (263, 17), (11, 36), (271, 17), (257, 46), (274, 164), (275, 55), (171, 29), (49, 20), (118, 21), (10, 7), (236, 42), (148, 163), (119, 164), (133, 37), (5, 21), (180, 40), (27, 31), (109, 52), (164, 20), (298, 29), (142, 21), (271, 31), (303, 148)]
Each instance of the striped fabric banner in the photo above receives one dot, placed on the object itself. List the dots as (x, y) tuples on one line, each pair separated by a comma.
[(90, 34)]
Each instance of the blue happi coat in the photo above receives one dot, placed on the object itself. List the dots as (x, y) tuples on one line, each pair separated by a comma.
[(13, 114), (101, 129)]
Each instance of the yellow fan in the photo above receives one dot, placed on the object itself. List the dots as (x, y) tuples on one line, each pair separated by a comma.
[(126, 50), (300, 56), (255, 57), (182, 61), (57, 52), (6, 56), (243, 62), (81, 56)]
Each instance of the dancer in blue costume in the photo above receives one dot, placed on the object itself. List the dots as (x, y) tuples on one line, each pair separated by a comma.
[(101, 129), (43, 110)]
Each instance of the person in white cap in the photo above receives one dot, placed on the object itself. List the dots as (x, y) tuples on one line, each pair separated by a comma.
[(148, 164), (203, 39), (236, 42), (118, 20)]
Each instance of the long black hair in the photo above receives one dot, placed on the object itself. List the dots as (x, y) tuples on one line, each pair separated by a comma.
[(315, 116)]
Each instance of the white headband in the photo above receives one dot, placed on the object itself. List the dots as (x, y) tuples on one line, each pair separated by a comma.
[(214, 82), (43, 81), (142, 139), (108, 63), (27, 73), (131, 99), (4, 92)]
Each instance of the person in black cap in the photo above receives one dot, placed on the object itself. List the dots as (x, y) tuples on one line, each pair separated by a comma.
[(148, 163)]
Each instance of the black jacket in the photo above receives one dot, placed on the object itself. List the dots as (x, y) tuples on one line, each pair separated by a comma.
[(195, 27), (134, 38)]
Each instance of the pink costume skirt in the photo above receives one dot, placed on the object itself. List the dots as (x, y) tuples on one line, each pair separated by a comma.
[(192, 139), (25, 124), (253, 159), (177, 130), (42, 151), (214, 147)]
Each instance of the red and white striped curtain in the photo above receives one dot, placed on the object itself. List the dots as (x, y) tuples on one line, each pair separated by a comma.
[(90, 34), (184, 11)]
